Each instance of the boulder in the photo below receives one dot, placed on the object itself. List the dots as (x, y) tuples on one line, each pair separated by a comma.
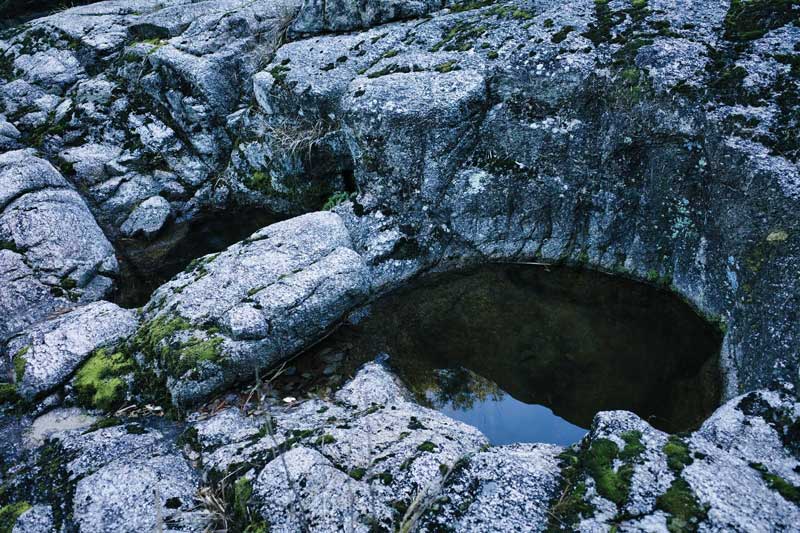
[(46, 354), (148, 218), (252, 305), (53, 252)]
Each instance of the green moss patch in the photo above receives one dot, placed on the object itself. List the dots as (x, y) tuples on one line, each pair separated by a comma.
[(634, 447), (8, 393), (599, 31), (335, 199), (152, 333), (461, 37), (680, 502), (685, 512), (190, 353), (777, 483), (99, 382), (107, 422), (752, 19), (358, 473), (595, 459), (242, 491), (678, 456), (155, 340), (562, 34), (613, 485), (427, 446), (20, 362), (9, 515), (326, 439), (260, 181), (570, 505), (279, 72), (447, 66)]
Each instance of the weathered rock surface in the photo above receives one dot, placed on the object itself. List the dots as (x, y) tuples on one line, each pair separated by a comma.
[(150, 92), (356, 461), (252, 305), (148, 218), (370, 456), (43, 356), (315, 16), (128, 477), (641, 139), (506, 488), (653, 139), (52, 253)]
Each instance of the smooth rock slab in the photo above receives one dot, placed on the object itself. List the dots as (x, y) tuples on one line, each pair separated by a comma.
[(46, 354)]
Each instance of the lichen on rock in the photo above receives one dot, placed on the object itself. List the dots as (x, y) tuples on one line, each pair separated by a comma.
[(655, 140)]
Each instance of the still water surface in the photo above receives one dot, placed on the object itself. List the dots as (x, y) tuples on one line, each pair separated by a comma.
[(531, 354)]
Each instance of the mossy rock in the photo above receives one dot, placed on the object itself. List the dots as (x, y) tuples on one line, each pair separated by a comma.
[(788, 491), (613, 485), (150, 336), (678, 455), (99, 382), (8, 393), (685, 512), (20, 362), (747, 20), (9, 515)]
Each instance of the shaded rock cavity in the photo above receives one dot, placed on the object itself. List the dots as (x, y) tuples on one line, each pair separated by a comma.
[(147, 263)]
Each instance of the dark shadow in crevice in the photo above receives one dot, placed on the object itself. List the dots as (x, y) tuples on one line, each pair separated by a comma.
[(147, 264)]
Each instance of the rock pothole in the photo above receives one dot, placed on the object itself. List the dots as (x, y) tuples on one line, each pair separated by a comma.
[(532, 353)]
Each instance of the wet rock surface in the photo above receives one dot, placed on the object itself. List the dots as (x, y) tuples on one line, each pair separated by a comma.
[(649, 139)]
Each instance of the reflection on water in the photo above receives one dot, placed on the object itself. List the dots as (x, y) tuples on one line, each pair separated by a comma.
[(475, 400), (530, 354)]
